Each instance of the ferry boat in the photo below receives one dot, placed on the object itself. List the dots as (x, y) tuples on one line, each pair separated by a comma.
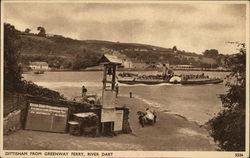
[(139, 81), (185, 82), (202, 81)]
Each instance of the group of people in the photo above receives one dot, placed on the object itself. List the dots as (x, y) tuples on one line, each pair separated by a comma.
[(191, 76), (127, 74), (150, 77), (147, 118)]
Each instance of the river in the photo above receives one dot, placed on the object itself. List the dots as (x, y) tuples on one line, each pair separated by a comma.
[(195, 102)]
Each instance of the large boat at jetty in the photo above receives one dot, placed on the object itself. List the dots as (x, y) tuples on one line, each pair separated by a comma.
[(202, 81), (131, 79), (138, 81)]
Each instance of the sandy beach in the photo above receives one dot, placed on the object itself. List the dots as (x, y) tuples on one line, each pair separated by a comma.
[(170, 133)]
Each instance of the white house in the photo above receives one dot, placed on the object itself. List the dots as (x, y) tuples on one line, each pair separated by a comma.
[(39, 66), (127, 63)]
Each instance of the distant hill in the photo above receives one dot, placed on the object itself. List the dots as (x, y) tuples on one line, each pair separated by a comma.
[(67, 53)]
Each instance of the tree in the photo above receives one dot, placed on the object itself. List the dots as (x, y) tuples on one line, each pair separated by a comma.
[(174, 48), (212, 53), (41, 32), (27, 30), (228, 127), (12, 71)]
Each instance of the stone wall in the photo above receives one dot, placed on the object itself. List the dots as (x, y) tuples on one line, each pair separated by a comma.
[(12, 122), (15, 106)]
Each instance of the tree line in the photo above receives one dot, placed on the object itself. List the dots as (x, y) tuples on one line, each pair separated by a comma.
[(13, 82), (228, 127)]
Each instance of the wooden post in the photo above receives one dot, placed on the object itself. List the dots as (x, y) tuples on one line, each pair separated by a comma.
[(105, 76), (113, 77), (104, 81)]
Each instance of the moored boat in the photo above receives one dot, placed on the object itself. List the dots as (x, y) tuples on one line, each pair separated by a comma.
[(39, 72)]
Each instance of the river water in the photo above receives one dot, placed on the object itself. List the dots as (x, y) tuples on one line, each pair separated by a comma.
[(195, 102)]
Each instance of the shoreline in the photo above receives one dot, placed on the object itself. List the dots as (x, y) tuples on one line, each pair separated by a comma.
[(158, 108), (163, 116), (132, 70)]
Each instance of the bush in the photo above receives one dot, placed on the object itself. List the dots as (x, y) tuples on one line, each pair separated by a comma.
[(228, 127), (28, 87)]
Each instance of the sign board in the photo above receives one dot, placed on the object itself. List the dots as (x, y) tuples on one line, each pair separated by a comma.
[(118, 120), (46, 118), (108, 115)]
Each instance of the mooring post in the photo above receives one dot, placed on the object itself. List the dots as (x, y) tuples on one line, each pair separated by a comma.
[(130, 94)]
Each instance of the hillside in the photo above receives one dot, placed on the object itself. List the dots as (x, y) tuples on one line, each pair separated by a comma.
[(67, 53)]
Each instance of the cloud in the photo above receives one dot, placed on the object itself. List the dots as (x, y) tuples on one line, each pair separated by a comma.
[(191, 26), (216, 26)]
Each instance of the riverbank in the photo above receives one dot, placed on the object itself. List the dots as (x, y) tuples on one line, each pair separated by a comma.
[(136, 69), (170, 133)]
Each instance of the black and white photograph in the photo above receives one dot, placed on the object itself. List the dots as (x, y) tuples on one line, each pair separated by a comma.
[(124, 78)]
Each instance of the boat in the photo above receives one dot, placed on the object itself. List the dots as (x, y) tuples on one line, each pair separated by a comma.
[(129, 78), (138, 81), (187, 82), (39, 72), (202, 81)]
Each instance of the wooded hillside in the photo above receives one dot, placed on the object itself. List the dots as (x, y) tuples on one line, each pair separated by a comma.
[(66, 53)]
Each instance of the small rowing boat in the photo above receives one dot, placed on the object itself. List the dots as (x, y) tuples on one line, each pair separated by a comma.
[(39, 72)]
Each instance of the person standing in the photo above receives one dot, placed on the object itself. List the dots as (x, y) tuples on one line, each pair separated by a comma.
[(84, 91), (164, 71), (116, 90)]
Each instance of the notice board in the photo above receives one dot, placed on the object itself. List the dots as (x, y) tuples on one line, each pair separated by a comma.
[(118, 120), (108, 115), (44, 117)]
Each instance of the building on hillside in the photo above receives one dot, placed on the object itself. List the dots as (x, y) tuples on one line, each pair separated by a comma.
[(39, 66), (139, 65), (126, 63), (143, 50), (160, 65)]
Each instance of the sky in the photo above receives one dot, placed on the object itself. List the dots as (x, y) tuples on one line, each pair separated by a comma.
[(192, 27)]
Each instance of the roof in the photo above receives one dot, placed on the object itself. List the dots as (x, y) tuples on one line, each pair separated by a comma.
[(106, 58), (39, 63)]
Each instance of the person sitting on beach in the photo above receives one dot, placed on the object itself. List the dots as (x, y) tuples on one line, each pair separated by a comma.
[(149, 114)]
